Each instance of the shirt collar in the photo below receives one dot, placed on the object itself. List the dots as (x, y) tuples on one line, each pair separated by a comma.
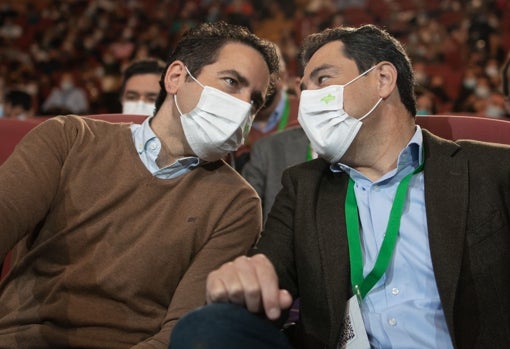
[(410, 157), (148, 147)]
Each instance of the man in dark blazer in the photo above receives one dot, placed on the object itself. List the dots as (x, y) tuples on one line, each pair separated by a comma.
[(269, 157), (394, 238)]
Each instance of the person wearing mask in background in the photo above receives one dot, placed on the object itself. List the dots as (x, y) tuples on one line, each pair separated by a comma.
[(393, 238), (67, 98), (115, 226), (279, 113), (140, 86), (18, 104)]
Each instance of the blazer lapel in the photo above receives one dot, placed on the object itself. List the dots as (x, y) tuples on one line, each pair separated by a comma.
[(446, 200)]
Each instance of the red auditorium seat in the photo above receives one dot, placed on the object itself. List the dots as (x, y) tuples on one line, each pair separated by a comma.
[(467, 127)]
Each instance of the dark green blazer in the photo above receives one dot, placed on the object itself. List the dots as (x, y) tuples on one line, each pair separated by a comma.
[(467, 197)]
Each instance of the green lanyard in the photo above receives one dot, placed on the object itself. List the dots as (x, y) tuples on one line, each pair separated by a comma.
[(309, 153), (361, 286), (285, 115)]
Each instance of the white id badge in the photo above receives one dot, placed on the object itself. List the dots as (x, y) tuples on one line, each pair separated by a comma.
[(354, 335)]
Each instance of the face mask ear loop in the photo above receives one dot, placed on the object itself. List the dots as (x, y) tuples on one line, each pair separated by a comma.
[(198, 82), (361, 75), (371, 110), (175, 95), (177, 105)]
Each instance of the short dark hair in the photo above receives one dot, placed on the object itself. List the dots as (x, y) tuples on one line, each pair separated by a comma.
[(505, 78), (368, 45), (140, 67), (18, 98), (200, 46)]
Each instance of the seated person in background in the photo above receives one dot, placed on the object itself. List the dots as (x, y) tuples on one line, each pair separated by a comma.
[(140, 86), (66, 98), (393, 238), (116, 226), (425, 101), (270, 156), (18, 104), (279, 113)]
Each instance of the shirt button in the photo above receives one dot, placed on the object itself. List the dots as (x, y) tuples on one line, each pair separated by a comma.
[(392, 322), (395, 291), (153, 146)]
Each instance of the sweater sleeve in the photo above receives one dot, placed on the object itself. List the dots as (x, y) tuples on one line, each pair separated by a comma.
[(29, 179), (236, 231)]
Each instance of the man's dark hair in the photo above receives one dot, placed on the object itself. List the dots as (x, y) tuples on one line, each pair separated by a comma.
[(18, 98), (142, 66), (367, 46), (200, 46)]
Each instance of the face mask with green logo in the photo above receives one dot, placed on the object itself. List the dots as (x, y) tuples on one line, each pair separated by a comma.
[(327, 125)]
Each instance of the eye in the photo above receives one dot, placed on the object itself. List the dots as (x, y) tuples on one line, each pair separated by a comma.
[(131, 96), (322, 79), (256, 105), (151, 98), (231, 82)]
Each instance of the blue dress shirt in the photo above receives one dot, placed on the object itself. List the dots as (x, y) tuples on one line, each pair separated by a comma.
[(148, 147), (403, 309)]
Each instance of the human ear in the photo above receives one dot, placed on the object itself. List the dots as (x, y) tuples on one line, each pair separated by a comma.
[(386, 78), (174, 77)]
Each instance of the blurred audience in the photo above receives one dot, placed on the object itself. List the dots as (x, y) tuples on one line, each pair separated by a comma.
[(505, 84), (18, 104), (97, 39), (66, 98)]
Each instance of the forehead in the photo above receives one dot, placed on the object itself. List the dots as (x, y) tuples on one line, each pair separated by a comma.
[(244, 59), (143, 82), (329, 55)]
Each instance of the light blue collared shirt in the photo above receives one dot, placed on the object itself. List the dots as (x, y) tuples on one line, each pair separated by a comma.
[(403, 310), (148, 147)]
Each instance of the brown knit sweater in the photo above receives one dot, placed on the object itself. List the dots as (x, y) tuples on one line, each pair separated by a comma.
[(108, 255)]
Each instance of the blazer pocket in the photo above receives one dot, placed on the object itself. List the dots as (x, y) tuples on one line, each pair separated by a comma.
[(486, 226), (489, 241)]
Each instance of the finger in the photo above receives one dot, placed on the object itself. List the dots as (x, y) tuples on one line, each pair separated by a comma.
[(216, 291), (247, 274), (285, 299), (268, 280), (221, 283)]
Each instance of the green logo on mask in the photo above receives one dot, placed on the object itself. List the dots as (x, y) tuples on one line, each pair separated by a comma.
[(328, 98)]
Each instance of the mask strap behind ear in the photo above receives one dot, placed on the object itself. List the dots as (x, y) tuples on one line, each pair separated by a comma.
[(198, 82)]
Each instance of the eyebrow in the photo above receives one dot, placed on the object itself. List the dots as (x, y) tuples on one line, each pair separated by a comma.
[(256, 96), (319, 69), (243, 80)]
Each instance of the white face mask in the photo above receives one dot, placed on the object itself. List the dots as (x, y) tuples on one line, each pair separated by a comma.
[(139, 107), (327, 125), (217, 125)]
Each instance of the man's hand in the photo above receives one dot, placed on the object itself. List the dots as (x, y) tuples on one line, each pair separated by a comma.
[(251, 282)]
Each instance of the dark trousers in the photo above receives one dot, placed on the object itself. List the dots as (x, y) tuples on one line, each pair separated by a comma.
[(226, 326)]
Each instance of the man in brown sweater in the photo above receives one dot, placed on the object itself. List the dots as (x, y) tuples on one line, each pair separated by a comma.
[(114, 227)]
